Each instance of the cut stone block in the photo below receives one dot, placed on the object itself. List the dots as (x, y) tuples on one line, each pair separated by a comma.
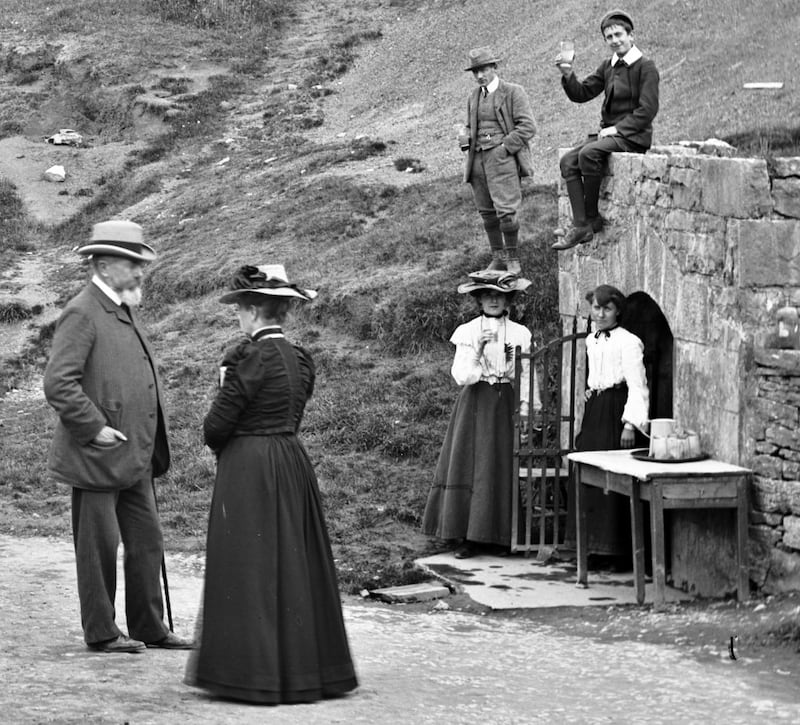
[(412, 592)]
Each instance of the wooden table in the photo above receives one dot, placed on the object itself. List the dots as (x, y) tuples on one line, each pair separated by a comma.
[(697, 485)]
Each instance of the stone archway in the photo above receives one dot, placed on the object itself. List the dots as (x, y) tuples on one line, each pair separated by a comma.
[(644, 318)]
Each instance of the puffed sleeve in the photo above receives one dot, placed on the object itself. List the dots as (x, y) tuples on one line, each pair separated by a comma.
[(637, 406), (242, 381), (524, 343), (308, 372), (466, 368)]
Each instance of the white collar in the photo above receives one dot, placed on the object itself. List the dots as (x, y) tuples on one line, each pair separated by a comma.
[(630, 57), (276, 331), (107, 291), (492, 87)]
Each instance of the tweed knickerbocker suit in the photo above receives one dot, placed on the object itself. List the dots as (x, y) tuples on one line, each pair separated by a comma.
[(495, 184)]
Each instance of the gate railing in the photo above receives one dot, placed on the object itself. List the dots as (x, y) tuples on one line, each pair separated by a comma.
[(539, 508)]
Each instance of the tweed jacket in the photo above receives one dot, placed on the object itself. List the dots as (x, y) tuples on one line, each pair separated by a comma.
[(631, 97), (513, 111), (102, 372)]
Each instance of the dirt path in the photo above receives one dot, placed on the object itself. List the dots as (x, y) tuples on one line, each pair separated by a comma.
[(416, 665)]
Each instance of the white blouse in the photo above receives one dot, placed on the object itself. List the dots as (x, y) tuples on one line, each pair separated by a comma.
[(615, 358), (494, 365)]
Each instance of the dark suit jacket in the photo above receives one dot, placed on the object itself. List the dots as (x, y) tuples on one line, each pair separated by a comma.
[(631, 97), (101, 372), (513, 111)]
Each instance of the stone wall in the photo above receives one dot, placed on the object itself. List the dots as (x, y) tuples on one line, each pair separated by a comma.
[(715, 241), (775, 518)]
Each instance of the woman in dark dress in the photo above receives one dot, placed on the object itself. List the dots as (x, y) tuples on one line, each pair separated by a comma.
[(271, 628)]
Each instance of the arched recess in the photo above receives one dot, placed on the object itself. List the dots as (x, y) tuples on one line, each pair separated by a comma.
[(644, 318)]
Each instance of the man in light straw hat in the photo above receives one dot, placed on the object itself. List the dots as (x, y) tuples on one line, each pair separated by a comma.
[(110, 441), (499, 126), (629, 82)]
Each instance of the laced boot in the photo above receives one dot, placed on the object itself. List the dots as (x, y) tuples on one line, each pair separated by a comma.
[(499, 261), (511, 239)]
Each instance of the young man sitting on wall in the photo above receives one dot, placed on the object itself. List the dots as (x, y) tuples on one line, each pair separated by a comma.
[(630, 83)]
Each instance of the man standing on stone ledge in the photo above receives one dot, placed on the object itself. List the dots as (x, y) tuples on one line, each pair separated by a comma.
[(499, 125), (630, 82), (110, 441)]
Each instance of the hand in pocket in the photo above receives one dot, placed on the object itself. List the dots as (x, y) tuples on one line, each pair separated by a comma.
[(108, 437)]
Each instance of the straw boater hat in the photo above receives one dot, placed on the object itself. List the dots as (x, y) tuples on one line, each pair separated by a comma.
[(266, 279), (494, 280), (479, 57), (118, 238)]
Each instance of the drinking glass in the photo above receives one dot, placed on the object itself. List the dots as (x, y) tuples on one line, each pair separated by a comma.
[(566, 52)]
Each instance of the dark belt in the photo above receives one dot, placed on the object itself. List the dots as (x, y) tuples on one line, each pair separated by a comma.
[(615, 386)]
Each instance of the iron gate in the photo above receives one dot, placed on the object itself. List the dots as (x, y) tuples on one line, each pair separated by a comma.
[(539, 509)]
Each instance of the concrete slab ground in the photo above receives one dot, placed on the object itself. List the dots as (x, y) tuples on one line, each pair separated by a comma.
[(519, 582)]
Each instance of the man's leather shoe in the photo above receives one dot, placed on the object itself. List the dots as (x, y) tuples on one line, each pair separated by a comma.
[(577, 235), (119, 644), (172, 641)]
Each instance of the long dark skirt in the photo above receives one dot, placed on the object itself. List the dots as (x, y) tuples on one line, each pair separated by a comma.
[(608, 515), (272, 628), (471, 493)]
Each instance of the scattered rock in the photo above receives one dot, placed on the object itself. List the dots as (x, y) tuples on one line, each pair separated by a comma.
[(55, 173), (410, 166)]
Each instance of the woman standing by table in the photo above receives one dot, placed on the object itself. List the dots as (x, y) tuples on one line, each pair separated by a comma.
[(470, 499), (272, 629), (617, 404)]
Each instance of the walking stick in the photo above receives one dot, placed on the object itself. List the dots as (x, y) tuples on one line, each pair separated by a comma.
[(164, 569)]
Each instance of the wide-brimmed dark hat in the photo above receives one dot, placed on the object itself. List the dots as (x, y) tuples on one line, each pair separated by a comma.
[(497, 280), (266, 279), (479, 57), (118, 238), (610, 17)]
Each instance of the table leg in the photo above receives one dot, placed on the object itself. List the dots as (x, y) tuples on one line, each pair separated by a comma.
[(637, 537), (742, 557), (657, 531), (581, 535)]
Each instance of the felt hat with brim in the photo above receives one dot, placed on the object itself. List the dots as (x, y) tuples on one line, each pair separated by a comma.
[(610, 17), (479, 57), (118, 239), (266, 279), (496, 280)]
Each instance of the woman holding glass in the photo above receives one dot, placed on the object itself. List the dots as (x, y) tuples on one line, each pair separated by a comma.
[(271, 627), (470, 499)]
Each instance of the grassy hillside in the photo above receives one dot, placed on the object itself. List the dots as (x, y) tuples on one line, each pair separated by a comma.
[(274, 132)]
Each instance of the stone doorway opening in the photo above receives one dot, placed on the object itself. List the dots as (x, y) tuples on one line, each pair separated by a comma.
[(644, 318)]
